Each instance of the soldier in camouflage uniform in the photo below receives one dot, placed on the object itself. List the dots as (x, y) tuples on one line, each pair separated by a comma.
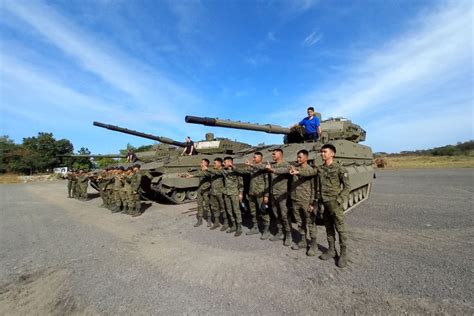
[(102, 182), (202, 193), (335, 188), (302, 197), (83, 182), (279, 195), (233, 188), (258, 195), (70, 181), (127, 195), (216, 196), (117, 190)]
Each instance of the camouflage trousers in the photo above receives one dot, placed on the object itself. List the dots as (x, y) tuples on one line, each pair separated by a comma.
[(255, 205), (83, 191), (203, 202), (280, 210), (233, 208), (118, 198), (305, 219), (334, 221), (69, 188), (218, 207)]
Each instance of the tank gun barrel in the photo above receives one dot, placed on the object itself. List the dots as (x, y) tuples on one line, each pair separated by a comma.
[(93, 156), (267, 128), (160, 139)]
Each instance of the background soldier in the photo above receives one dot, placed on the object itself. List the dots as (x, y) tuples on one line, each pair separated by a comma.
[(70, 181), (302, 196), (258, 193), (216, 196), (117, 189), (135, 183), (279, 195), (83, 182), (127, 195), (202, 193)]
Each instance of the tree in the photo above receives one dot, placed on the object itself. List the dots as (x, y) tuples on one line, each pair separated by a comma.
[(7, 146), (83, 163)]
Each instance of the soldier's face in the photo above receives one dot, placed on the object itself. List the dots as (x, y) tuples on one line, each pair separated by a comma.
[(276, 155), (301, 159), (217, 164), (257, 158), (203, 163), (326, 154), (227, 163)]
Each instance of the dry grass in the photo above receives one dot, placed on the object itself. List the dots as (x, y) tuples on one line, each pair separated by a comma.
[(436, 162), (9, 178)]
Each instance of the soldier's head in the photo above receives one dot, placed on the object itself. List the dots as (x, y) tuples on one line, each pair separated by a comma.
[(136, 167), (218, 163), (205, 162), (257, 157), (327, 152), (277, 154), (228, 161), (302, 156), (187, 139), (310, 111)]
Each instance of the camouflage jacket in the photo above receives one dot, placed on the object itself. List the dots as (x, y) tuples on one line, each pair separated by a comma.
[(302, 187), (334, 182), (279, 178), (233, 183), (204, 180), (217, 182), (118, 183), (136, 181), (259, 181)]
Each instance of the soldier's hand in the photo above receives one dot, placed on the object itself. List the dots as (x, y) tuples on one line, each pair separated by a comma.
[(268, 166), (241, 196)]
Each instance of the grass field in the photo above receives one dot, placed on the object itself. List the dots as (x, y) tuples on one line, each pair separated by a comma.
[(436, 162), (9, 178)]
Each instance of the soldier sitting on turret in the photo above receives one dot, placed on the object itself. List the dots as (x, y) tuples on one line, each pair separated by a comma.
[(311, 125)]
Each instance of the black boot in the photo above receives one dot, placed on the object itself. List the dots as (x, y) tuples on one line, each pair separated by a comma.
[(301, 244), (266, 232), (288, 239)]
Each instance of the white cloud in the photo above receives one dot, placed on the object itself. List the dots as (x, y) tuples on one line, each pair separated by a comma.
[(312, 39)]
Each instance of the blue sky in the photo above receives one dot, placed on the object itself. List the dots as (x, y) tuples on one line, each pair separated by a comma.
[(403, 70)]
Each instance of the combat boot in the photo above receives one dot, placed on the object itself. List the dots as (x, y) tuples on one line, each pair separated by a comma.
[(266, 232), (125, 209), (116, 209), (279, 234), (199, 222), (253, 230), (342, 262), (138, 207), (313, 249), (209, 221), (231, 229), (226, 224), (216, 221), (288, 239), (330, 253), (239, 230), (301, 244)]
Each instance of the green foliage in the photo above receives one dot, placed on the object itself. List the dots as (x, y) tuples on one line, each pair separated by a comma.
[(144, 148), (104, 162), (84, 163), (460, 149)]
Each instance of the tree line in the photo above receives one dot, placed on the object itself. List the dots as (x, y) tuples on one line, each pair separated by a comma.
[(460, 149)]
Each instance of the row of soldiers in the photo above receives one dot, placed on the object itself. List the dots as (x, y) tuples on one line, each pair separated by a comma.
[(273, 187), (119, 188)]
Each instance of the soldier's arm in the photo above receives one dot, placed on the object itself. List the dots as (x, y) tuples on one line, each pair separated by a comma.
[(344, 179), (307, 172)]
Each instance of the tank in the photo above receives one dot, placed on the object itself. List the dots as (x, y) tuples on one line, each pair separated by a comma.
[(340, 132), (166, 171)]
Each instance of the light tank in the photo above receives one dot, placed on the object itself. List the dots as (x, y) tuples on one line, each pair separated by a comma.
[(340, 132), (167, 181)]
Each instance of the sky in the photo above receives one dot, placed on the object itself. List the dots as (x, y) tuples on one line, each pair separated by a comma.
[(402, 70)]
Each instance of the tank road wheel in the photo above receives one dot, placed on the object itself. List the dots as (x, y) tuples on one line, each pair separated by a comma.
[(351, 199), (356, 196), (178, 196), (364, 191), (361, 194), (191, 195), (345, 204)]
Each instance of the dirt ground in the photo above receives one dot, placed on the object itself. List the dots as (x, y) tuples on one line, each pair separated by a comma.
[(410, 252)]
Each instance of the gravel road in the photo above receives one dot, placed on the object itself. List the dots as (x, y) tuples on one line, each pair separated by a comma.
[(410, 251)]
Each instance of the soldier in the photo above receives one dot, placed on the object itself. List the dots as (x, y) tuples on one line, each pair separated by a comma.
[(135, 183), (302, 196), (233, 188), (279, 195), (127, 192), (216, 196), (74, 185), (108, 189), (101, 184), (202, 193), (335, 188), (117, 190), (83, 181), (70, 181), (258, 195)]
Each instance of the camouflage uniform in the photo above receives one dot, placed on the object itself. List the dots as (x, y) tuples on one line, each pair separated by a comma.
[(135, 203), (258, 188), (127, 195), (302, 196), (108, 191), (279, 196), (83, 182), (335, 188), (117, 193), (203, 195), (101, 181), (233, 185), (70, 181), (217, 199)]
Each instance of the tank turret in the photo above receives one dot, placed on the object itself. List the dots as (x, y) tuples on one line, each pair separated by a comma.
[(333, 128), (160, 139)]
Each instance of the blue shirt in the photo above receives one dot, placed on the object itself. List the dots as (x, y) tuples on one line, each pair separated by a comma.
[(310, 125)]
